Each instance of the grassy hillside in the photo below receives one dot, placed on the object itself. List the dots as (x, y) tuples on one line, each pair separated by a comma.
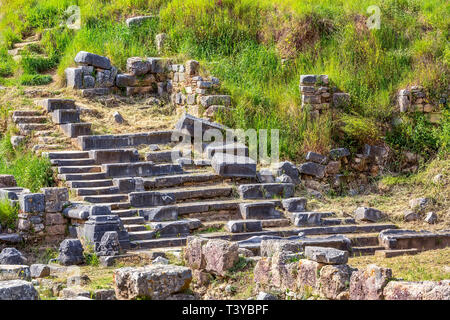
[(259, 49)]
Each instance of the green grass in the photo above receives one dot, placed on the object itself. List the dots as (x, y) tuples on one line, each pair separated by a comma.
[(8, 214), (29, 170), (260, 48)]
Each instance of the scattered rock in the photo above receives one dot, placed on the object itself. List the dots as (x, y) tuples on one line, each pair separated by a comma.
[(78, 280), (339, 153), (431, 218), (438, 178), (14, 272), (368, 214), (410, 216), (17, 140), (160, 260), (289, 169), (105, 294), (326, 255), (284, 178), (71, 252), (265, 296), (12, 256), (294, 204), (118, 118), (220, 256), (17, 290), (155, 282)]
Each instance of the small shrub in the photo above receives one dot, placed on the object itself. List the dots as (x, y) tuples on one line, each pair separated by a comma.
[(91, 259), (32, 64)]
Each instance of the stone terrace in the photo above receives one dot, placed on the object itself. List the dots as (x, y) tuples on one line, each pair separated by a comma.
[(161, 197)]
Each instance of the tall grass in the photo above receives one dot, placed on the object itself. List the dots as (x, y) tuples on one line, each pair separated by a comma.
[(30, 171), (8, 214)]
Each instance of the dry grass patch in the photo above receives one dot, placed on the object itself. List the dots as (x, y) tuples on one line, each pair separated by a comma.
[(427, 265)]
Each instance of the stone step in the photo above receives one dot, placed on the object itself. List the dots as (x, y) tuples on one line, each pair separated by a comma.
[(126, 140), (126, 213), (72, 162), (68, 155), (108, 156), (79, 169), (141, 235), (30, 119), (337, 221), (266, 190), (180, 180), (165, 156), (135, 227), (73, 130), (206, 192), (396, 252), (90, 183), (133, 220), (82, 176), (118, 205), (26, 113), (356, 228), (96, 191), (259, 210), (140, 169), (185, 208), (158, 243), (365, 251), (27, 128), (106, 198), (363, 240)]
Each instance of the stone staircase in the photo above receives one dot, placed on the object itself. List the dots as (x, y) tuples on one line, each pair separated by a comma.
[(161, 198)]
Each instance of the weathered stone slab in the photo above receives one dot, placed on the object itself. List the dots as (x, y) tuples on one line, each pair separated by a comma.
[(114, 155), (421, 240), (57, 104), (326, 255), (150, 199), (259, 210), (239, 226), (334, 280), (12, 193), (159, 214), (55, 198), (220, 256), (17, 290), (317, 158), (137, 66), (179, 228), (140, 169), (301, 219), (196, 127), (70, 252), (39, 271), (233, 166), (234, 149), (62, 116), (294, 204), (109, 244), (155, 282), (32, 202), (73, 130), (124, 140), (74, 78), (312, 169), (87, 58), (127, 185), (287, 168), (77, 211), (266, 190), (369, 214)]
